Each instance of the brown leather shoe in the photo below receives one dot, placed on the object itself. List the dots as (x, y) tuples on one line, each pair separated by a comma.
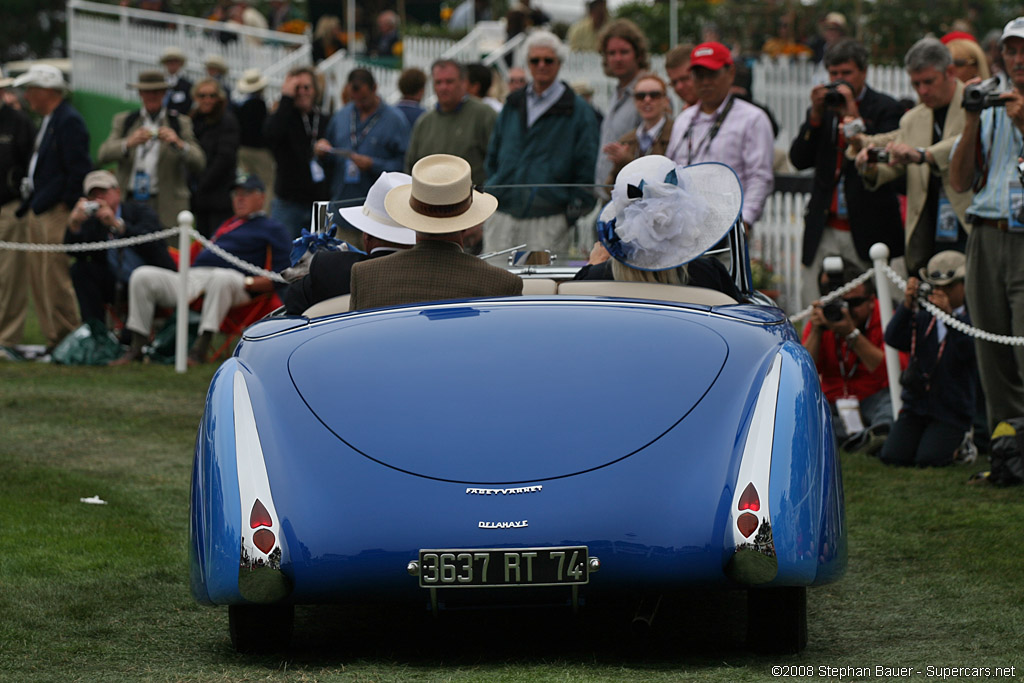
[(131, 356)]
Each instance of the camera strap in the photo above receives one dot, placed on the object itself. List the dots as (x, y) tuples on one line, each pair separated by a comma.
[(981, 157), (938, 357), (705, 142)]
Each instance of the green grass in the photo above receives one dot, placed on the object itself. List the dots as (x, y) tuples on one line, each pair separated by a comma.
[(100, 593)]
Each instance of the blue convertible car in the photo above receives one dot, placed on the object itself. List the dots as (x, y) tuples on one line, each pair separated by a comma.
[(419, 454)]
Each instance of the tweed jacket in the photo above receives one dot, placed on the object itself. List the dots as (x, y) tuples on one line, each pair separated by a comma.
[(433, 270), (873, 218), (659, 146), (173, 166), (916, 130)]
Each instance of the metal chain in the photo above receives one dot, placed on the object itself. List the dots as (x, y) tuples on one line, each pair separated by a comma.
[(92, 246)]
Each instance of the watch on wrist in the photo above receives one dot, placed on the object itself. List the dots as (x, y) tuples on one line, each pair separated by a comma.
[(924, 157), (852, 337), (249, 281)]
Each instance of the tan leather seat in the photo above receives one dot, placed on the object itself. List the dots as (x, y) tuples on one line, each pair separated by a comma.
[(645, 290), (539, 286), (337, 304)]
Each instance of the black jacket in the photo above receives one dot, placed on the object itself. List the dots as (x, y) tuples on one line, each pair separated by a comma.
[(251, 114), (138, 219), (874, 216), (218, 136), (63, 162), (292, 146), (330, 274), (17, 136)]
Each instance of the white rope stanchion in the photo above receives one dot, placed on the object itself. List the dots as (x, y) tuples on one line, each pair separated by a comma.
[(185, 222), (879, 254)]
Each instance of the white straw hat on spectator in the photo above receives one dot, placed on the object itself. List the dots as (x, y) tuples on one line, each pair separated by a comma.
[(372, 217), (173, 53), (41, 76), (945, 267), (441, 198), (1013, 29), (252, 80), (216, 62)]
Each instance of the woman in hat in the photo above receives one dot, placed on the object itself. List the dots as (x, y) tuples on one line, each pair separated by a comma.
[(216, 128), (660, 219)]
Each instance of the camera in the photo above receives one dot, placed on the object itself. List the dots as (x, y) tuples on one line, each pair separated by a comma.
[(90, 208), (983, 95), (833, 98), (833, 310), (877, 155), (924, 290), (833, 267)]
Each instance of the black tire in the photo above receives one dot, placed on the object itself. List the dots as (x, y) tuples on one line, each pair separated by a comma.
[(777, 620), (256, 629)]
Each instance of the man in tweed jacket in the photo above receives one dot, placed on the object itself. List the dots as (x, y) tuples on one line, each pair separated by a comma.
[(440, 205)]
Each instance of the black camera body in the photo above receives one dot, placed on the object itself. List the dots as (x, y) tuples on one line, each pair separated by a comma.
[(833, 98), (833, 311), (924, 290), (877, 155), (983, 95)]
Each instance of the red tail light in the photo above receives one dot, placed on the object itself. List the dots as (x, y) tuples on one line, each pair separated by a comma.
[(749, 500), (264, 540), (259, 516), (747, 524)]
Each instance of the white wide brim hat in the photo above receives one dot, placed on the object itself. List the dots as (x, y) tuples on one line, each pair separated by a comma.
[(372, 217), (662, 216), (252, 80), (441, 198)]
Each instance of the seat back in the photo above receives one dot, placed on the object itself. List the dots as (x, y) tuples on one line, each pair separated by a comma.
[(539, 286), (336, 304), (646, 290)]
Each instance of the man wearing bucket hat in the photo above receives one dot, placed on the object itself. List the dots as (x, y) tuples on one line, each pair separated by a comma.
[(154, 148), (330, 271), (178, 96), (440, 205), (939, 382), (251, 109), (248, 235), (52, 185), (995, 246)]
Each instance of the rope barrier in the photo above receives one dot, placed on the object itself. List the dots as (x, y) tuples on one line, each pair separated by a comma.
[(949, 320), (141, 239)]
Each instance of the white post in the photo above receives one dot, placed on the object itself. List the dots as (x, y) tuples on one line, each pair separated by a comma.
[(185, 222), (880, 258), (673, 23)]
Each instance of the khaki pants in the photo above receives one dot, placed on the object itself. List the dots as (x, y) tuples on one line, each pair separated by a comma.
[(50, 277), (13, 287), (149, 287)]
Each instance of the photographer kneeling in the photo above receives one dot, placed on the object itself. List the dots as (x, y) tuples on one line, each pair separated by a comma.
[(844, 338), (939, 382)]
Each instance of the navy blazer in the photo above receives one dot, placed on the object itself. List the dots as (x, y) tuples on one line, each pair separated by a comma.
[(63, 162), (874, 216)]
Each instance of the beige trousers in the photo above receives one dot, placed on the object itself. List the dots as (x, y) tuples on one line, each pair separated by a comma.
[(149, 287), (50, 277), (13, 286)]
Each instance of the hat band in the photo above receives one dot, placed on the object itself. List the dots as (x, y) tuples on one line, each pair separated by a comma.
[(441, 210)]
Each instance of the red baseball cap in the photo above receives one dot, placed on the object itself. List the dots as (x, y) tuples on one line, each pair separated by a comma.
[(957, 35), (712, 56)]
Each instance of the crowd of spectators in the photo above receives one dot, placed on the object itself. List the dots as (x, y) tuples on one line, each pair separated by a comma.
[(939, 178)]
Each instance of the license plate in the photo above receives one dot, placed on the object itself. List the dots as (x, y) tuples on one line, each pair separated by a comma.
[(486, 567)]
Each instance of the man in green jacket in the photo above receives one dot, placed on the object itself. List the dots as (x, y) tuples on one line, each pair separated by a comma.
[(545, 134)]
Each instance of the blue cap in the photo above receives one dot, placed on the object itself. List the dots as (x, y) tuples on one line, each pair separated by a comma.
[(249, 182)]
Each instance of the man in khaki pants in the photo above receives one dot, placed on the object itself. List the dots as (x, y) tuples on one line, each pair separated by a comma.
[(16, 136), (53, 183)]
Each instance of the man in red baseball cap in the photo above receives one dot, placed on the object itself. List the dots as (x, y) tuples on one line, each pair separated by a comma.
[(724, 128)]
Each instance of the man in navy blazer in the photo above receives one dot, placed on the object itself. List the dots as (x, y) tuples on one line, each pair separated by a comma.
[(53, 184)]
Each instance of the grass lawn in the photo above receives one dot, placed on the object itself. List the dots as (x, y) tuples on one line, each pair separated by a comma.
[(100, 592)]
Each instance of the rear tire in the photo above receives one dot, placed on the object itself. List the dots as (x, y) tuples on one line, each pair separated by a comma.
[(777, 620), (257, 629)]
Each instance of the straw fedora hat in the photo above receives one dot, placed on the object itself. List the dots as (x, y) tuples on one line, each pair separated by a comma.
[(252, 80), (173, 54), (441, 198), (372, 217)]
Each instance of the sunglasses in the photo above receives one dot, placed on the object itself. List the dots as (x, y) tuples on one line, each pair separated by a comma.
[(546, 60), (942, 274), (964, 62), (205, 95), (653, 94), (856, 301)]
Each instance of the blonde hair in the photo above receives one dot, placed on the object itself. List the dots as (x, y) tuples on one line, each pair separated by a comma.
[(970, 50), (673, 276)]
